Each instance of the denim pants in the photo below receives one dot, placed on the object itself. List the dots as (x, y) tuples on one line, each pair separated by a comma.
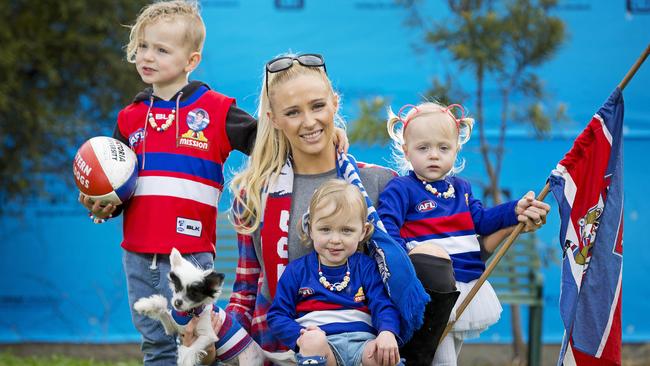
[(146, 275)]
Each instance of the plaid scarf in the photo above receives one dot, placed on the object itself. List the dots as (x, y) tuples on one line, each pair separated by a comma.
[(398, 275)]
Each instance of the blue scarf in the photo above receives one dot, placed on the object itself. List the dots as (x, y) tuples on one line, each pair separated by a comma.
[(395, 267)]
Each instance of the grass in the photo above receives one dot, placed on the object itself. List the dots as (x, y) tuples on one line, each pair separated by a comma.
[(7, 359)]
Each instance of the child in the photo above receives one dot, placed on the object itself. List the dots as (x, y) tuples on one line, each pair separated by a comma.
[(182, 133), (432, 206), (180, 176), (331, 305)]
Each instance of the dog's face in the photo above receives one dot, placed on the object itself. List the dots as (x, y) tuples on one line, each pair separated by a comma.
[(191, 286)]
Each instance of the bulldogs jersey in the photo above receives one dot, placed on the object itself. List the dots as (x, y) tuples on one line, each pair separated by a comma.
[(413, 216), (301, 300), (181, 168)]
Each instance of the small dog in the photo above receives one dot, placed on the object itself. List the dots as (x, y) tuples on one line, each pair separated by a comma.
[(194, 293)]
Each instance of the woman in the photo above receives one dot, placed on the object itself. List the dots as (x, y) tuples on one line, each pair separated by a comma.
[(293, 155)]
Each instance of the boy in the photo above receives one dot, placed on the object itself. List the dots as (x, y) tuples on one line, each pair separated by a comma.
[(180, 161)]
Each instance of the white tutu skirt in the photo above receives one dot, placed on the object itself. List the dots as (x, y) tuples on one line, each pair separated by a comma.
[(483, 311)]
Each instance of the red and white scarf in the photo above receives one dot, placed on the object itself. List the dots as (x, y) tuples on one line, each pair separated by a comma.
[(274, 234), (395, 268)]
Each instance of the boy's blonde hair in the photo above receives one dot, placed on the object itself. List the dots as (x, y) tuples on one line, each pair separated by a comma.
[(188, 11), (271, 150), (462, 126), (346, 198)]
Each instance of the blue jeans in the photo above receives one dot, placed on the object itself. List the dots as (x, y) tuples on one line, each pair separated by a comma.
[(146, 275), (348, 347)]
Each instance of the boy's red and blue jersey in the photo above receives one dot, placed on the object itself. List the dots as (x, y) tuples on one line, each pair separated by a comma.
[(301, 300), (413, 216), (180, 169)]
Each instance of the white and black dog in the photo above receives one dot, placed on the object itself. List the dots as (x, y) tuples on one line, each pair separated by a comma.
[(194, 293)]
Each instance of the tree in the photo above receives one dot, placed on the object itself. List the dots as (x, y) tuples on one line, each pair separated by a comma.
[(64, 77), (502, 43)]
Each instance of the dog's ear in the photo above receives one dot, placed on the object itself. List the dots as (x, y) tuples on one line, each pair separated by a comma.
[(213, 279), (175, 258)]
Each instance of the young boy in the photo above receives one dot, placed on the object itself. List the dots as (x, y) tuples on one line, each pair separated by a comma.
[(180, 160)]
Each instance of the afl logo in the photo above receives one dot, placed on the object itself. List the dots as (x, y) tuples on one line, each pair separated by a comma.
[(425, 206)]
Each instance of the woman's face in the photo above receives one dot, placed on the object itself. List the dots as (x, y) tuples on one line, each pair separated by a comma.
[(303, 108)]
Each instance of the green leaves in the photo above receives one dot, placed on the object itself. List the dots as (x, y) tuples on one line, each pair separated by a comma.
[(65, 77), (370, 127)]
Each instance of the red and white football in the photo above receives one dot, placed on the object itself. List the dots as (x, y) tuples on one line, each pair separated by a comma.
[(106, 169)]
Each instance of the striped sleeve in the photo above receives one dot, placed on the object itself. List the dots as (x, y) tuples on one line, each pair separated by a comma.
[(392, 208), (242, 300), (489, 220)]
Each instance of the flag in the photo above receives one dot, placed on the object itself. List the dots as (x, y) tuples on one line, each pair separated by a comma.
[(588, 186)]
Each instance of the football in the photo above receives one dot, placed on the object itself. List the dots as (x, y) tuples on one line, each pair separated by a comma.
[(105, 169)]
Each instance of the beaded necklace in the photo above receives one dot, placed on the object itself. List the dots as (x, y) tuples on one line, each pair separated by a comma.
[(338, 286), (164, 126), (449, 193)]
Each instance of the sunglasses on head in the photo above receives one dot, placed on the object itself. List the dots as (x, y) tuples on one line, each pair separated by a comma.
[(286, 62)]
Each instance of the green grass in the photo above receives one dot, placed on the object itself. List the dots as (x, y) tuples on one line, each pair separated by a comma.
[(7, 359)]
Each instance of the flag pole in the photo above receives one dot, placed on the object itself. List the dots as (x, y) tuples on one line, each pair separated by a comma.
[(518, 229), (634, 68)]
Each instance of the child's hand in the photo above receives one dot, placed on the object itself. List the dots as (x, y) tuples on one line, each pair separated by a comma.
[(384, 349), (96, 208), (309, 328), (531, 212), (341, 140)]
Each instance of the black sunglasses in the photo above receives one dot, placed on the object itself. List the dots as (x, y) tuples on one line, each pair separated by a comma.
[(286, 62)]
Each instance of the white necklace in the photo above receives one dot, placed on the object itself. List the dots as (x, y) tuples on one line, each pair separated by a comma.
[(338, 286), (164, 126), (449, 193)]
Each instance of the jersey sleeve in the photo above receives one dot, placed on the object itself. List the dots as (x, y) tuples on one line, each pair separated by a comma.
[(392, 208), (282, 314), (489, 220), (118, 135), (241, 129), (247, 276), (385, 316)]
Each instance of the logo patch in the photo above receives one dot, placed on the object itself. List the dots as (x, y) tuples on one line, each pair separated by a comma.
[(359, 296), (197, 121), (188, 227), (305, 291), (136, 138), (425, 206)]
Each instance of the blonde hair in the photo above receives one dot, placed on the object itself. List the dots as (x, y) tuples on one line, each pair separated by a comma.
[(462, 126), (188, 11), (346, 198), (270, 152)]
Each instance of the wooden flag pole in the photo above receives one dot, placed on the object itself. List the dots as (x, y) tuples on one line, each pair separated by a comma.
[(634, 68), (518, 229)]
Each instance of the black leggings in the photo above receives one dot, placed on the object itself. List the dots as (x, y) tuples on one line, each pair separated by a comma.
[(435, 273), (437, 277)]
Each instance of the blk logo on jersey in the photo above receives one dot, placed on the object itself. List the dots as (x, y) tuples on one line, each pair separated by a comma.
[(188, 227), (426, 206)]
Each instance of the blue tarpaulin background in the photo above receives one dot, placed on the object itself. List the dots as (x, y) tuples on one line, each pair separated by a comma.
[(61, 277)]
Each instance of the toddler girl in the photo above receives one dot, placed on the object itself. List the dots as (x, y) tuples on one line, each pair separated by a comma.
[(432, 206), (331, 305)]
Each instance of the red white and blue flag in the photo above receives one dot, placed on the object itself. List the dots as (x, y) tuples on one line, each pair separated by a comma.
[(588, 186)]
